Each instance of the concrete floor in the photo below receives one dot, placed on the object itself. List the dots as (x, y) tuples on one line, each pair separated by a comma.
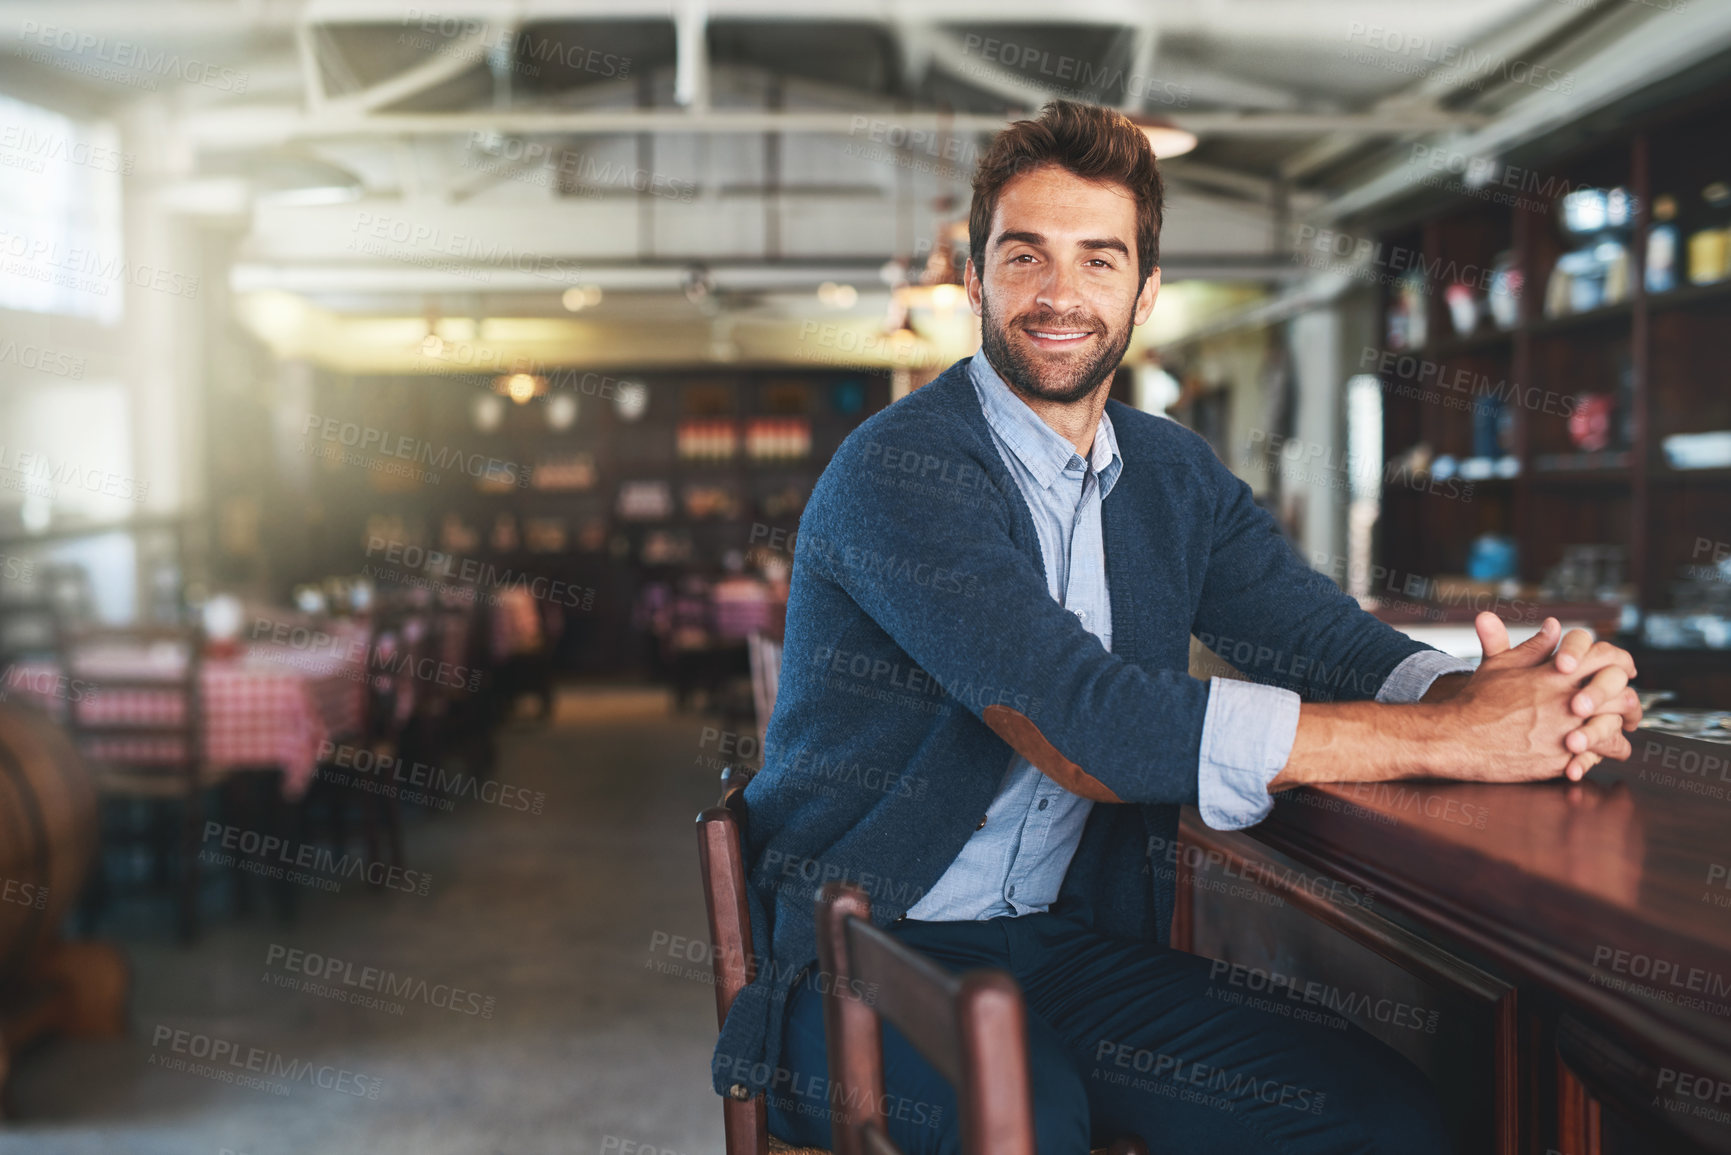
[(598, 1040)]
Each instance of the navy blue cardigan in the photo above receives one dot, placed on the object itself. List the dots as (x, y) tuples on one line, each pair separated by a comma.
[(922, 646)]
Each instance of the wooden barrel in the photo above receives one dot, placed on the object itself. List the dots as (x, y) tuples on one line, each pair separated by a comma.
[(48, 834)]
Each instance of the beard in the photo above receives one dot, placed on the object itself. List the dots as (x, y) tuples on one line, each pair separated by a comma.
[(1060, 377)]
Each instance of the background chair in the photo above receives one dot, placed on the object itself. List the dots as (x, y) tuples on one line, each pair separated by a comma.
[(139, 724), (765, 655), (396, 643)]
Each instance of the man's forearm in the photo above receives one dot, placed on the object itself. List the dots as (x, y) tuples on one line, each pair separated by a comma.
[(1365, 742), (1524, 715)]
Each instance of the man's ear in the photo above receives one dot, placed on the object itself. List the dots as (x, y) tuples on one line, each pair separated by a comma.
[(1145, 299), (976, 288)]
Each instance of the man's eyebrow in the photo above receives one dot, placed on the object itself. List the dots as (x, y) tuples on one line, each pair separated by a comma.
[(1113, 244)]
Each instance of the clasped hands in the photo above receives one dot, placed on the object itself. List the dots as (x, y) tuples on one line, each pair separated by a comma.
[(1546, 706)]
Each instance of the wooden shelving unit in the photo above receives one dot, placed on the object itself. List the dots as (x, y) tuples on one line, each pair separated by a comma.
[(1665, 354), (436, 411)]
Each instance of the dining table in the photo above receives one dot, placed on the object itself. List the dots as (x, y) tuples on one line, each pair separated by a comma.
[(264, 704)]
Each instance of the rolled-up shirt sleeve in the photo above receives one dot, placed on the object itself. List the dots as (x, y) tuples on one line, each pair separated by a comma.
[(1411, 680), (1247, 736), (1248, 731)]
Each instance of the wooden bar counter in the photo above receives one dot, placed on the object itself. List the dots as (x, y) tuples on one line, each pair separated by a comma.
[(1591, 921)]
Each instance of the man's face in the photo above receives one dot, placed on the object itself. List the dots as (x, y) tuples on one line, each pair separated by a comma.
[(1058, 296)]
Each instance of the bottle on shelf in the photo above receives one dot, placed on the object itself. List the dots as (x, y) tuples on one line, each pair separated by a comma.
[(1407, 327), (1661, 269), (1504, 298), (1710, 245)]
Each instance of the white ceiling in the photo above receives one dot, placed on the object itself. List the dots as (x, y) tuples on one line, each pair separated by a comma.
[(765, 133)]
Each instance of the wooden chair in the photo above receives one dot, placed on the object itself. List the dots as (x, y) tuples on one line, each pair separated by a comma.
[(29, 628), (721, 855), (970, 1028), (395, 643), (151, 754), (394, 694)]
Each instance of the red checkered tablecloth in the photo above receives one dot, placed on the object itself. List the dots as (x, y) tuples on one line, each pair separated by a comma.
[(271, 706)]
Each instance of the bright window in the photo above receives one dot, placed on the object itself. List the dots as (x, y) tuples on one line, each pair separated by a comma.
[(60, 242)]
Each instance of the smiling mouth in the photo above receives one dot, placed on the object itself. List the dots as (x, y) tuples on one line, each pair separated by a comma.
[(1058, 338)]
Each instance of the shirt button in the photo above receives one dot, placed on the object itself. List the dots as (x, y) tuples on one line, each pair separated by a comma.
[(982, 823), (1010, 893), (1045, 802)]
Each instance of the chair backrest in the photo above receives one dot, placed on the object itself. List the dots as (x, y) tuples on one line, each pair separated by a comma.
[(125, 708), (721, 854), (397, 646), (29, 627), (972, 1028), (765, 654)]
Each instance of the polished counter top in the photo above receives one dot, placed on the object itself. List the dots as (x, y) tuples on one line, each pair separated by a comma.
[(1611, 896)]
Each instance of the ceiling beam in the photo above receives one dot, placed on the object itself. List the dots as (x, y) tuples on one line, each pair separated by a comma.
[(254, 126), (1626, 59), (1242, 19), (1144, 56), (452, 60), (366, 279), (691, 70), (1518, 39)]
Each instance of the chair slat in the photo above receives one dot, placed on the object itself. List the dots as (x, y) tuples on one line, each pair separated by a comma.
[(723, 869), (912, 992), (997, 1096), (721, 856), (875, 1142), (158, 754)]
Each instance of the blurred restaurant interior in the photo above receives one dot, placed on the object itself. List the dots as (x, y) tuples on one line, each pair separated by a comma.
[(406, 414)]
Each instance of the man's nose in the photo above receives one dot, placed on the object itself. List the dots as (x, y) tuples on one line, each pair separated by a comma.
[(1060, 291)]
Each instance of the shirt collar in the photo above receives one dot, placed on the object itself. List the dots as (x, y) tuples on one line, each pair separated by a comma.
[(1042, 450)]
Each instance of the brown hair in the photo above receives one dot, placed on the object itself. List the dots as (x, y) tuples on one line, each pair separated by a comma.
[(1095, 144)]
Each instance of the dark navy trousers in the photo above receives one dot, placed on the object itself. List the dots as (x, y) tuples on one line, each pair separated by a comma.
[(1126, 1037)]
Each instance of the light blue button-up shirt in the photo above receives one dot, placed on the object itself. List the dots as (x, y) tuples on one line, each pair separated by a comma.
[(1015, 862)]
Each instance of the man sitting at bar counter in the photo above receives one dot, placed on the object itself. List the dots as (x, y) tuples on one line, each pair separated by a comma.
[(985, 716)]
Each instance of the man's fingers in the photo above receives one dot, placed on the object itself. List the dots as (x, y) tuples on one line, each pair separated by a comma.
[(1579, 765), (1575, 645), (1626, 704), (1531, 652), (1601, 735), (1630, 708), (1493, 635), (1605, 685), (1598, 656)]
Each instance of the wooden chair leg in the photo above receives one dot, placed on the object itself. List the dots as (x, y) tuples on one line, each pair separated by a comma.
[(369, 807), (339, 819), (94, 901), (394, 828), (189, 872), (235, 808), (164, 840)]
